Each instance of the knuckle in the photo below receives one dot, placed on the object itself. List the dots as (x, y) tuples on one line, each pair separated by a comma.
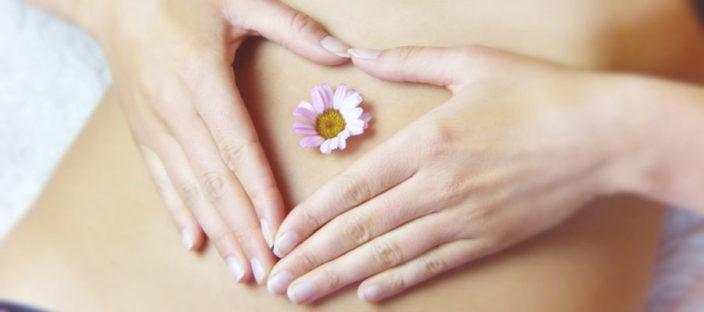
[(356, 230), (233, 153), (438, 138), (310, 219), (408, 53), (191, 195), (396, 281), (214, 185), (266, 191), (299, 22), (333, 280), (352, 190), (433, 264), (387, 254), (453, 188), (307, 259)]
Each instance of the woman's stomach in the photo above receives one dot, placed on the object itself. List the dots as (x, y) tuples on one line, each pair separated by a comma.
[(575, 32)]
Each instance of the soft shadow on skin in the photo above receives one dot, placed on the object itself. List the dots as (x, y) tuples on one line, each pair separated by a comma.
[(664, 39), (254, 103), (250, 89)]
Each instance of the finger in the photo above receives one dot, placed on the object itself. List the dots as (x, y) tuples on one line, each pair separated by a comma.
[(447, 67), (191, 233), (377, 216), (221, 107), (294, 30), (443, 258), (382, 253), (190, 191), (375, 173), (224, 191)]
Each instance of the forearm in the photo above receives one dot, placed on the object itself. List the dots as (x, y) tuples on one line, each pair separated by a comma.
[(663, 126), (83, 13)]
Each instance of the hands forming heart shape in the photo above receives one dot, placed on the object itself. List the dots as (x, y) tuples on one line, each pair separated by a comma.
[(515, 150)]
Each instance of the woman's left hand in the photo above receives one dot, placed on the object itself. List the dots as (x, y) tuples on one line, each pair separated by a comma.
[(519, 147)]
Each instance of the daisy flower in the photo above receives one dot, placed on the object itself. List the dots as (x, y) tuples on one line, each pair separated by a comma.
[(330, 118)]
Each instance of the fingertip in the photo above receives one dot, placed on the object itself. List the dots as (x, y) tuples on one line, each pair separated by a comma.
[(286, 243), (236, 267)]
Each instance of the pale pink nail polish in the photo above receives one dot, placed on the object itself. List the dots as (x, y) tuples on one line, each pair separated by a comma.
[(285, 244), (365, 54), (279, 282), (301, 292), (371, 293)]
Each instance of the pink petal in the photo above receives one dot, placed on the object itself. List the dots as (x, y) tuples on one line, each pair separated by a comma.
[(305, 112), (304, 128), (311, 141), (340, 95), (321, 95), (325, 147)]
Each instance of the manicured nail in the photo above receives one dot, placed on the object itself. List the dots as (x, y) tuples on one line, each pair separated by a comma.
[(277, 284), (187, 239), (258, 270), (335, 46), (365, 54), (285, 244), (266, 231), (235, 267), (372, 293), (301, 292)]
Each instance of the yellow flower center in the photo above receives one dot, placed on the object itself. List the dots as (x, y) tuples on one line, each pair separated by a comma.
[(329, 123)]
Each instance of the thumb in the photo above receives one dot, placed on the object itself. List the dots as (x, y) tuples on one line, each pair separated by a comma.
[(295, 31), (447, 67)]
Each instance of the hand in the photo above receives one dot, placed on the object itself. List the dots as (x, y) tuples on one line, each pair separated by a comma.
[(172, 66), (516, 150)]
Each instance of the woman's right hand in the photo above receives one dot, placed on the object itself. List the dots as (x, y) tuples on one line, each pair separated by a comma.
[(171, 63)]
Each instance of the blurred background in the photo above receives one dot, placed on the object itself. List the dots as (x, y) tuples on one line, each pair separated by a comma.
[(52, 76)]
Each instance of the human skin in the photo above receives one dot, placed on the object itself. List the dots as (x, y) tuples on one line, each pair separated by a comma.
[(521, 146), (97, 239), (171, 63)]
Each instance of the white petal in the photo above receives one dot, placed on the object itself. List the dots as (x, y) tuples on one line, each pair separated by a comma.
[(325, 147), (351, 114), (355, 129), (351, 101), (344, 134), (343, 143), (340, 95), (333, 143)]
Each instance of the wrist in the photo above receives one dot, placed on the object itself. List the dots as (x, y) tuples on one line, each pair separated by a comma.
[(623, 115)]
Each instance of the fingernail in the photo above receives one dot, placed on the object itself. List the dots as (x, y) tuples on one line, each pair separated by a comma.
[(285, 244), (371, 293), (258, 270), (335, 46), (235, 267), (365, 54), (277, 284), (301, 292), (266, 231), (187, 239)]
